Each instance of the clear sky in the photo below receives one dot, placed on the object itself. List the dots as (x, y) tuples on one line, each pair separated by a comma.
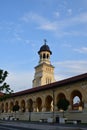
[(23, 26)]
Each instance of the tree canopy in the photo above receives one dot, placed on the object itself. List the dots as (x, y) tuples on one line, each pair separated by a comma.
[(63, 104), (4, 87), (16, 107)]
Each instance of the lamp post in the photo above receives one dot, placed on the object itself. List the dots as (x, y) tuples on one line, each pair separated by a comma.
[(29, 115), (30, 110)]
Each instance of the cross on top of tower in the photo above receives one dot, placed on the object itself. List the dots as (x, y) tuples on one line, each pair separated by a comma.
[(45, 41)]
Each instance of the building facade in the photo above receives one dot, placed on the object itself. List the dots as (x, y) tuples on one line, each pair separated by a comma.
[(40, 102)]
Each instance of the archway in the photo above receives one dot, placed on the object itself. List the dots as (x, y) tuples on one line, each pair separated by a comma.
[(48, 102), (62, 102), (60, 96), (76, 100), (30, 105), (2, 107), (23, 105), (11, 106), (6, 107), (16, 106), (16, 102), (39, 104)]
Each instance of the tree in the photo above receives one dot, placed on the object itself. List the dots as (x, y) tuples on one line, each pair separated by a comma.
[(16, 107), (63, 104), (4, 87)]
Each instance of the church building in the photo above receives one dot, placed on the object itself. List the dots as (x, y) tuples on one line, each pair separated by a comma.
[(41, 101)]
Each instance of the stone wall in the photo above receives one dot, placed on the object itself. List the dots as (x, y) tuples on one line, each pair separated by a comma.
[(34, 116)]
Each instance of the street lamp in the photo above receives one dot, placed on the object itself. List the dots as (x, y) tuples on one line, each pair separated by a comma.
[(29, 115)]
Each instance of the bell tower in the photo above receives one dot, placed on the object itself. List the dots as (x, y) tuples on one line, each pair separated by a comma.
[(44, 71)]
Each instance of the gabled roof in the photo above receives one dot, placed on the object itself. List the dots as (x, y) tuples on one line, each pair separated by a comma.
[(52, 85)]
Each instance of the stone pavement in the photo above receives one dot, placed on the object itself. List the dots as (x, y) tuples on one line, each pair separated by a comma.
[(43, 126)]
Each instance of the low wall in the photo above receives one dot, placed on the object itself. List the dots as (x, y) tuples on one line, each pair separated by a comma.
[(36, 116)]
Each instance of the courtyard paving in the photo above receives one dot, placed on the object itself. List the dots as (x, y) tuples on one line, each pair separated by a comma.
[(43, 126)]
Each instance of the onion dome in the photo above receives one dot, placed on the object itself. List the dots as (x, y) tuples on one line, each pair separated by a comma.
[(45, 47)]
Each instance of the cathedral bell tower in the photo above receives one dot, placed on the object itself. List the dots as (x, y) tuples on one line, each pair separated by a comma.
[(44, 71)]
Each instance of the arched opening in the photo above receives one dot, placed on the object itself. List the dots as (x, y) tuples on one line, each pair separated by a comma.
[(44, 56), (62, 102), (16, 106), (48, 80), (60, 96), (11, 106), (76, 100), (48, 103), (23, 105), (47, 56), (40, 56), (39, 104), (16, 103), (2, 107), (30, 105), (6, 107)]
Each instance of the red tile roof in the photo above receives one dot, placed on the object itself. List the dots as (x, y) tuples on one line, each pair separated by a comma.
[(52, 85)]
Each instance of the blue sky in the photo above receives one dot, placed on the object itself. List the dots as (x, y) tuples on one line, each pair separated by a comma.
[(23, 26)]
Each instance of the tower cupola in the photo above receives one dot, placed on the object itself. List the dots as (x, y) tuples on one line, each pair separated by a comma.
[(44, 53), (45, 47)]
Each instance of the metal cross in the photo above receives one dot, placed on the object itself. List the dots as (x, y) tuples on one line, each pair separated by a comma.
[(45, 41)]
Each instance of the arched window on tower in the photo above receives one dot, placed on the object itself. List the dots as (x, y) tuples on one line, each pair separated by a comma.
[(44, 56), (48, 80), (41, 56), (47, 56)]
